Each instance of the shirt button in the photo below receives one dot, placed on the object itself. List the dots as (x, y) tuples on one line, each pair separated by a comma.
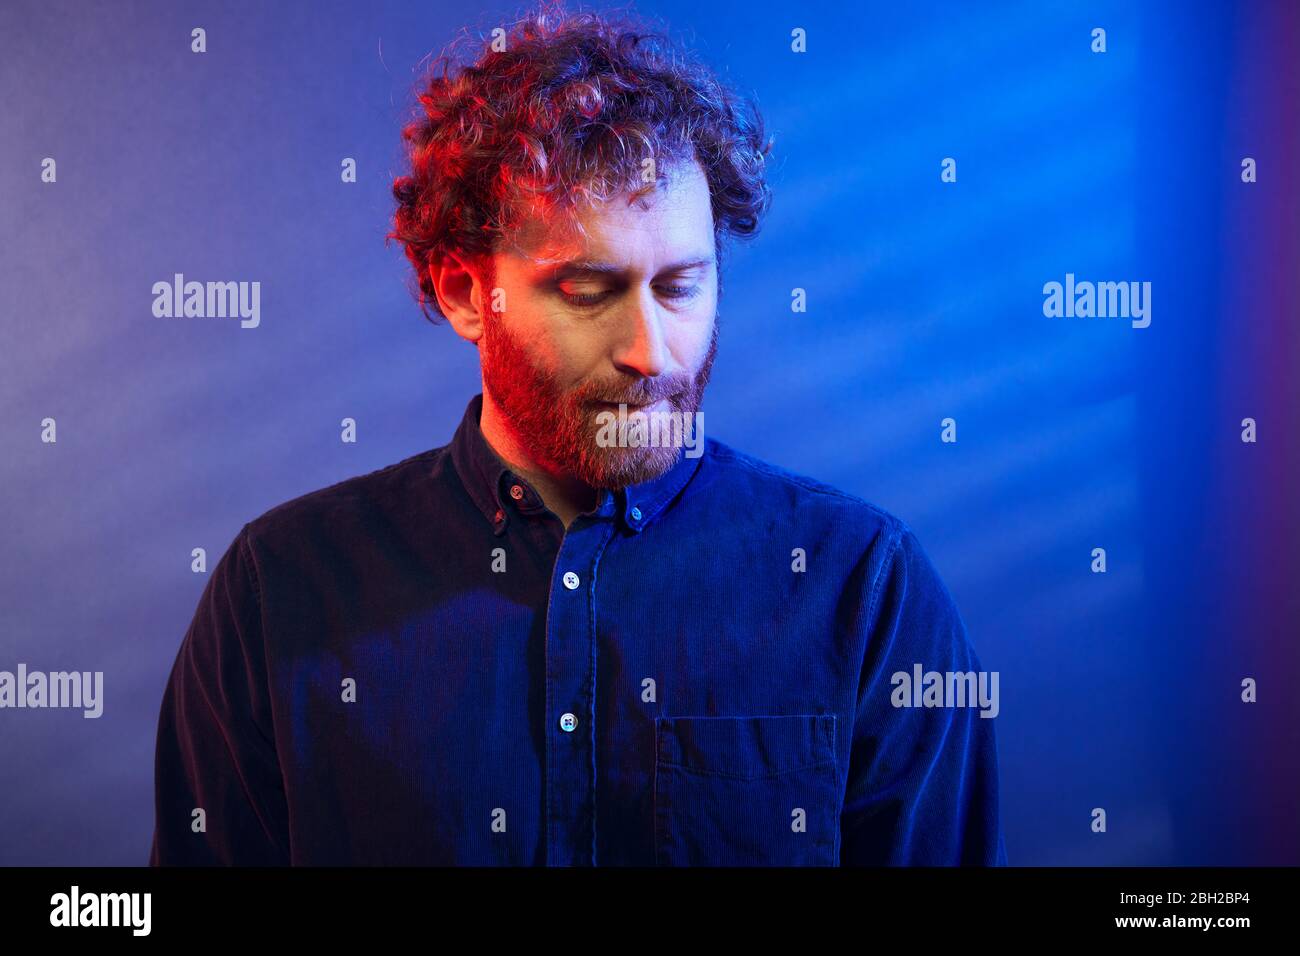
[(517, 492), (568, 722), (570, 581), (636, 514)]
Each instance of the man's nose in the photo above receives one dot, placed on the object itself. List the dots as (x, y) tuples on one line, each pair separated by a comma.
[(644, 350)]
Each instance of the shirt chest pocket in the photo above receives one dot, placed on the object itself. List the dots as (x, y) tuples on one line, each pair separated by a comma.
[(746, 791)]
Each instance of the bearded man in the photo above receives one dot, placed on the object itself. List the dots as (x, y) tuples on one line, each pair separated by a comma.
[(540, 645)]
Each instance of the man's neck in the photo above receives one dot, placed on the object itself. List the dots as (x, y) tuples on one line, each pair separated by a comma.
[(566, 496)]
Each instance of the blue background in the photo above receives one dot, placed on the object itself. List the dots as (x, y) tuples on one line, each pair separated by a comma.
[(924, 301)]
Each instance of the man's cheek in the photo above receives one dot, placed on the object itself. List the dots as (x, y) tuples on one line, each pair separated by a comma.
[(702, 342)]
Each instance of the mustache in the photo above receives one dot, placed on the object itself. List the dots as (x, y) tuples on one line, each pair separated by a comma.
[(644, 392)]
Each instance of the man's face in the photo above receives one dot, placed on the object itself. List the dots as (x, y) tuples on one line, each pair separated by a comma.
[(623, 315)]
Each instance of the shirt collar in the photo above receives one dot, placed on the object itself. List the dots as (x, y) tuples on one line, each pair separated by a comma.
[(497, 491)]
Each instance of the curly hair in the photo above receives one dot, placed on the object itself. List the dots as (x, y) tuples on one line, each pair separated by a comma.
[(562, 108)]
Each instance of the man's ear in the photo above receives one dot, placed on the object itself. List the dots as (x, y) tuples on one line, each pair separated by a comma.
[(462, 297)]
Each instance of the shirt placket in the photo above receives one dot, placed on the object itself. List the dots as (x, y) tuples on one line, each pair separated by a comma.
[(571, 693)]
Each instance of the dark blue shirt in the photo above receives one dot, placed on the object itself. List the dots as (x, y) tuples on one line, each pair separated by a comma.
[(422, 666)]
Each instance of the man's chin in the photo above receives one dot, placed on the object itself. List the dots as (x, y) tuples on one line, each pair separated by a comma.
[(621, 467)]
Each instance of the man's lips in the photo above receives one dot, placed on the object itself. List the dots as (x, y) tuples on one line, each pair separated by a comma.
[(633, 406)]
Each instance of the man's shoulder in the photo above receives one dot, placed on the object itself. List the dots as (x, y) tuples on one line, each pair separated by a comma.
[(780, 490), (388, 489), (820, 511)]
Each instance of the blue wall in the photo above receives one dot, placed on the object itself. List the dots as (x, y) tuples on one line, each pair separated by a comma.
[(925, 301)]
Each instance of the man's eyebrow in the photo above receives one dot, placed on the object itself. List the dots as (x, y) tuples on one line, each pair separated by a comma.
[(600, 267)]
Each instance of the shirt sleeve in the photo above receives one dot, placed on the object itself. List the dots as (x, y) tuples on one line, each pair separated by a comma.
[(215, 745), (923, 780)]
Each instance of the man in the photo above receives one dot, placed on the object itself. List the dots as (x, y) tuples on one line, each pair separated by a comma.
[(566, 638)]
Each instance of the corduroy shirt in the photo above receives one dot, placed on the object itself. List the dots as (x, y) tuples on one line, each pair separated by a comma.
[(423, 666)]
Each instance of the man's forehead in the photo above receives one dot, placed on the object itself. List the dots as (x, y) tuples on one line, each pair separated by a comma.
[(596, 231), (548, 236)]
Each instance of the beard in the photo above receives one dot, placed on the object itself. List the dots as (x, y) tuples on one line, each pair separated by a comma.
[(558, 427)]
